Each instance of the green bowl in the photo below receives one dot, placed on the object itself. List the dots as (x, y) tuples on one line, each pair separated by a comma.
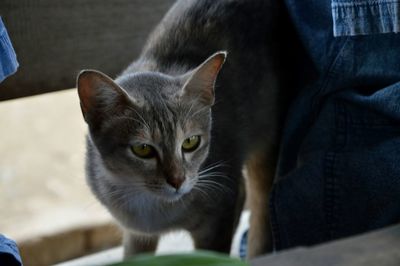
[(197, 258)]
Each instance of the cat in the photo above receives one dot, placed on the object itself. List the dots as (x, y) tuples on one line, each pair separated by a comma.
[(169, 137)]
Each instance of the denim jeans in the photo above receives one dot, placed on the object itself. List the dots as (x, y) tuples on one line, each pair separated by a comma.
[(8, 59), (9, 254), (339, 167)]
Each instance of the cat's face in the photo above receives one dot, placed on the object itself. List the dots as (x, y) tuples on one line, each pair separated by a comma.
[(159, 144), (152, 131)]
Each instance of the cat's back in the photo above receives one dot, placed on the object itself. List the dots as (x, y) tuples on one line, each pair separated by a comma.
[(248, 86), (194, 29)]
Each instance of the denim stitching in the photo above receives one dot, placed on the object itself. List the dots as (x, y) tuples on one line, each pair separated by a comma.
[(331, 187), (365, 17), (329, 76), (348, 3), (276, 238)]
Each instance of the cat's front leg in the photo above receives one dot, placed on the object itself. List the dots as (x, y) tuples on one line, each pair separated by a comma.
[(134, 243), (216, 228), (260, 171), (214, 236)]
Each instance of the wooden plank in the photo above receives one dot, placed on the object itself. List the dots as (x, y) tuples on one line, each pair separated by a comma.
[(54, 40), (377, 248), (76, 242)]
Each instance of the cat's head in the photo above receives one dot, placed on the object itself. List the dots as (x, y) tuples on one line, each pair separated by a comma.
[(151, 131)]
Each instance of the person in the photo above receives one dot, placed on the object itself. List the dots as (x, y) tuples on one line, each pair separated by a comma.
[(338, 172), (9, 254)]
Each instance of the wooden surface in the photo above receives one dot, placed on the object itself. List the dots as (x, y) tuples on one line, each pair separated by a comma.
[(51, 249), (380, 248), (54, 40)]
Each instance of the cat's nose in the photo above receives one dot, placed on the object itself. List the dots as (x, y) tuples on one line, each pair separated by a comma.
[(176, 182)]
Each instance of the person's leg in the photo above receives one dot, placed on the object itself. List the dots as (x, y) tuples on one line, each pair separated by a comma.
[(338, 168)]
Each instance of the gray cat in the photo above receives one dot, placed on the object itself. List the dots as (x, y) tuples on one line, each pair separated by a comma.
[(168, 138)]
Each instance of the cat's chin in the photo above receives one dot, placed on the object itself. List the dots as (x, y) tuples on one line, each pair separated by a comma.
[(171, 198), (170, 195), (167, 193)]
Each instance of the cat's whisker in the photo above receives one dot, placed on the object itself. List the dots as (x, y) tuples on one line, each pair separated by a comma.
[(118, 200), (123, 196), (209, 190), (199, 111), (213, 173), (217, 186), (142, 119), (217, 177), (183, 202), (189, 114), (221, 162), (192, 181), (209, 173), (128, 191), (212, 166), (205, 179), (131, 119), (202, 193)]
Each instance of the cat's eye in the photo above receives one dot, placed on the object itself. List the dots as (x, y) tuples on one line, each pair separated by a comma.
[(144, 151), (190, 144)]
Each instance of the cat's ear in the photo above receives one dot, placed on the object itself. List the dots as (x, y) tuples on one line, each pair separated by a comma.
[(99, 95), (201, 81)]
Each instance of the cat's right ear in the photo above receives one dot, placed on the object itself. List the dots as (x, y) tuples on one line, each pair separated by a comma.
[(99, 95), (200, 82)]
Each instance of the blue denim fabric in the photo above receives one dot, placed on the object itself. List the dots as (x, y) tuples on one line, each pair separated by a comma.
[(9, 254), (8, 59), (339, 167), (354, 17)]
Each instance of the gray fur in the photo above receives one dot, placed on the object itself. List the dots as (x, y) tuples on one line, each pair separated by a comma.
[(149, 106)]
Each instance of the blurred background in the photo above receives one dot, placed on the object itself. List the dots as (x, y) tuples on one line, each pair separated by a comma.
[(45, 204)]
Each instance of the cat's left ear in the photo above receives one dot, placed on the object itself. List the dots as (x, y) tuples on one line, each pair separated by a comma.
[(201, 81), (99, 95)]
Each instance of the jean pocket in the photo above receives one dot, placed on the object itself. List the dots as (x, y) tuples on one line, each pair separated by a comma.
[(362, 181), (361, 17)]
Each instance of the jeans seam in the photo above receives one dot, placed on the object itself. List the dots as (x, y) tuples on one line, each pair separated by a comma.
[(329, 198), (362, 3), (363, 18), (330, 74), (331, 186), (276, 237)]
